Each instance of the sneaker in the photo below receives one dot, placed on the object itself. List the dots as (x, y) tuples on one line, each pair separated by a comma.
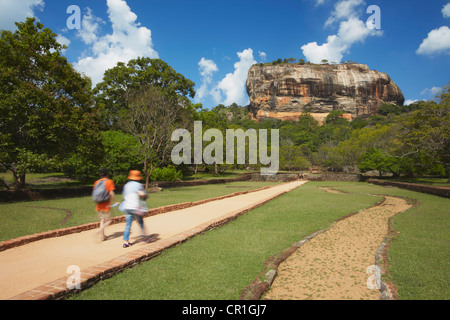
[(126, 245)]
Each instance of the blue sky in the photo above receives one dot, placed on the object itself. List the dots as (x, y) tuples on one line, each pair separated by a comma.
[(214, 42)]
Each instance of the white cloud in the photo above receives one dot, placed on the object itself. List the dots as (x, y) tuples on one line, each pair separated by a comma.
[(437, 42), (330, 51), (350, 32), (90, 27), (17, 11), (232, 88), (207, 69), (127, 41), (62, 40), (262, 55), (431, 93), (446, 11), (354, 30), (409, 101), (344, 9)]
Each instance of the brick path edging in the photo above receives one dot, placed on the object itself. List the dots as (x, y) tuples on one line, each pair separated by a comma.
[(437, 191), (59, 289)]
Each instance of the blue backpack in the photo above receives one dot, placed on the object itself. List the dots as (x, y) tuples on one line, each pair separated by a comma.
[(100, 194)]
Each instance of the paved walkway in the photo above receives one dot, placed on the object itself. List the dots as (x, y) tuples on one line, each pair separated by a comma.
[(41, 269)]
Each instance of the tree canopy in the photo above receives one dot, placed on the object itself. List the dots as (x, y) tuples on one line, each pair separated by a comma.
[(45, 104), (52, 119), (111, 93)]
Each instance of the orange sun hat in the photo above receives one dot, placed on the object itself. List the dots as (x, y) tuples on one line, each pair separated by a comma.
[(135, 175)]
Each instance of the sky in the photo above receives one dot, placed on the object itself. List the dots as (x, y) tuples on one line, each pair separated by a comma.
[(215, 42)]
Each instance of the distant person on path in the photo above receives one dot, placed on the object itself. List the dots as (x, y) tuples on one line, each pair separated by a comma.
[(103, 194), (133, 194)]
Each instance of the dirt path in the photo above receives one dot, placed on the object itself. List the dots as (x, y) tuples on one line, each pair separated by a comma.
[(39, 264), (339, 263)]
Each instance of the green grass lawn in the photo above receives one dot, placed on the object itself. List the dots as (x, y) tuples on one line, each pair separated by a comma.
[(221, 263), (59, 180), (19, 219), (43, 180)]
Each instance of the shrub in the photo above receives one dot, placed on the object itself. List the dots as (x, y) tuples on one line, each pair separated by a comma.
[(120, 179), (169, 173)]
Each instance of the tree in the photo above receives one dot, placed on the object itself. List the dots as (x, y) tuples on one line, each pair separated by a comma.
[(302, 132), (213, 120), (111, 92), (307, 122), (122, 153), (292, 158), (151, 118), (425, 133), (380, 161), (336, 117), (349, 153), (358, 123), (87, 154), (389, 109), (45, 104)]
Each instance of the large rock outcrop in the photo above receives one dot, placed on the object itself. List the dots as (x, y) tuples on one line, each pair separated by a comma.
[(285, 91)]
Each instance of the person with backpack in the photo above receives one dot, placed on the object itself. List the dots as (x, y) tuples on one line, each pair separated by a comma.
[(134, 206), (103, 195)]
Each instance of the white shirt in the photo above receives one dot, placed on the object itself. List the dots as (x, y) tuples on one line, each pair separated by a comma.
[(131, 196)]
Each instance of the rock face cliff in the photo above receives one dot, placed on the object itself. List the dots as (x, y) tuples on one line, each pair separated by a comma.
[(286, 90)]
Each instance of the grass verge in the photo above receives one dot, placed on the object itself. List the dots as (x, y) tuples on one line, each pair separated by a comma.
[(220, 263)]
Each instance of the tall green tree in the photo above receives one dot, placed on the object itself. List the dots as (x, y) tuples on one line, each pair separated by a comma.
[(382, 162), (110, 94), (122, 154), (349, 153), (292, 158), (151, 118), (211, 119), (425, 133), (45, 105), (336, 117)]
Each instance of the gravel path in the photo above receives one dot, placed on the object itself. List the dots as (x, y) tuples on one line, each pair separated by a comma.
[(338, 264)]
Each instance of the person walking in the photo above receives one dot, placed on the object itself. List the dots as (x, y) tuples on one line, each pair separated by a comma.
[(103, 194), (134, 195)]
